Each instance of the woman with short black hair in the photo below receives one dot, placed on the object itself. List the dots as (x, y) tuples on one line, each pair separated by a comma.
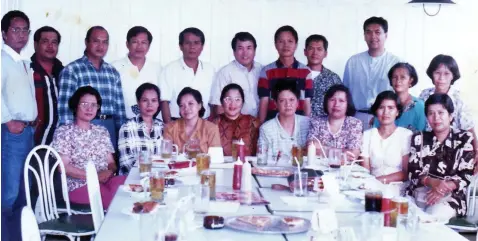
[(441, 162), (385, 149), (338, 129), (142, 132), (191, 126)]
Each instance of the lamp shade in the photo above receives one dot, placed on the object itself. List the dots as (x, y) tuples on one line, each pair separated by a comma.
[(433, 1)]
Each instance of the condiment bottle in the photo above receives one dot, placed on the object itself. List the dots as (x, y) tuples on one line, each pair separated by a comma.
[(311, 153), (237, 175), (246, 184), (241, 152)]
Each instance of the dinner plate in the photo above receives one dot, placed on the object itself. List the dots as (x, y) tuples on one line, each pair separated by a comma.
[(129, 210), (276, 225)]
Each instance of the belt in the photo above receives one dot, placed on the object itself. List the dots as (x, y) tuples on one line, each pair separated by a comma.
[(104, 117), (365, 111)]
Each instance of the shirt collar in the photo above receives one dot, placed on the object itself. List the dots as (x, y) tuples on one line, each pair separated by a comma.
[(296, 126), (242, 67), (86, 60), (129, 63), (295, 65), (15, 56), (57, 65), (185, 66)]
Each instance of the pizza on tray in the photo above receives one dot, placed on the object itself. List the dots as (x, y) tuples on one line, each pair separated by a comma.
[(293, 221), (271, 172), (257, 221)]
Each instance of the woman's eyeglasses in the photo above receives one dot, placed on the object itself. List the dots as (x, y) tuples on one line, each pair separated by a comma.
[(86, 105), (229, 100)]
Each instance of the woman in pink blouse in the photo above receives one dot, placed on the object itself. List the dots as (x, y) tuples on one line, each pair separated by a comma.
[(338, 129), (80, 142)]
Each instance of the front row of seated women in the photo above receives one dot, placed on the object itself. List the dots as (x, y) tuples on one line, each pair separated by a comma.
[(437, 164)]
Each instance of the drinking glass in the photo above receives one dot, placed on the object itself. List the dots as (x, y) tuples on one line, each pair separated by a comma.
[(373, 201), (400, 204), (156, 185), (372, 224), (208, 177), (300, 184), (201, 198), (168, 149), (192, 148), (403, 228), (296, 152), (203, 161), (145, 163), (335, 158), (261, 154), (234, 150)]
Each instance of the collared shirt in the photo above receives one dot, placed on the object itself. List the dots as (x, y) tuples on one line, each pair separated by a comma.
[(236, 73), (134, 138), (367, 76), (106, 81), (18, 89), (46, 92), (245, 127), (462, 117), (273, 135), (322, 83), (349, 135), (82, 146), (177, 75), (453, 158), (275, 71), (412, 118), (132, 78), (206, 132)]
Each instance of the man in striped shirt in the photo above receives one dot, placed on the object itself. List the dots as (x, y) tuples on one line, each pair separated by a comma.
[(92, 70), (285, 68), (46, 70)]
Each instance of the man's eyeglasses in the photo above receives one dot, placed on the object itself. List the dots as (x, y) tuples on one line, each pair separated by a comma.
[(229, 100), (86, 105), (20, 30)]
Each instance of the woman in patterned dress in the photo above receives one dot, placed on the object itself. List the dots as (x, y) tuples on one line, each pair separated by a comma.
[(441, 162), (82, 141), (233, 125), (338, 129)]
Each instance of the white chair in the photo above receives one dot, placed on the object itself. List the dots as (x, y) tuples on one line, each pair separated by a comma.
[(50, 220), (30, 231), (471, 196), (94, 195)]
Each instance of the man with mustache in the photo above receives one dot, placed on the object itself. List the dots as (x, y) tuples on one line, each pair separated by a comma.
[(366, 73), (19, 112), (136, 69), (92, 70), (285, 68), (188, 71)]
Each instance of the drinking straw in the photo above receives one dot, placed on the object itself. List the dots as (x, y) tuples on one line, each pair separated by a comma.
[(300, 175), (321, 147)]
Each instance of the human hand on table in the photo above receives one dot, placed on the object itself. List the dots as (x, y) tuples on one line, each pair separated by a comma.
[(104, 176)]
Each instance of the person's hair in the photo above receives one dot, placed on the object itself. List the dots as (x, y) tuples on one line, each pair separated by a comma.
[(243, 36), (286, 28), (331, 92), (195, 31), (317, 38), (446, 60), (90, 32), (285, 84), (442, 99), (197, 96), (386, 95), (134, 31), (376, 20), (148, 86), (8, 17), (74, 100), (44, 29), (232, 86), (411, 72)]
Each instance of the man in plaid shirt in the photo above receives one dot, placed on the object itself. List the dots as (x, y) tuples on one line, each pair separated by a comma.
[(92, 70)]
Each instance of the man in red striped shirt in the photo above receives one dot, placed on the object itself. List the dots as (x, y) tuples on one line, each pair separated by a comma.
[(285, 68)]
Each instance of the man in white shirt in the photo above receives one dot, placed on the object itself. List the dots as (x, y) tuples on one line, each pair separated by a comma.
[(366, 73), (19, 112), (188, 71), (135, 69), (243, 71)]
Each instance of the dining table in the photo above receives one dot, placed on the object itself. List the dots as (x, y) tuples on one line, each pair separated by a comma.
[(120, 225)]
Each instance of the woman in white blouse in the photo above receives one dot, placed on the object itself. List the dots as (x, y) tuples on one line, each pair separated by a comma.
[(385, 149)]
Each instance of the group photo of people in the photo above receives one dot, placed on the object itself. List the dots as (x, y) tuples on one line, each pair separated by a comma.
[(108, 113)]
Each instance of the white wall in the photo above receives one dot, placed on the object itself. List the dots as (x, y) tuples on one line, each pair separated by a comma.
[(413, 36)]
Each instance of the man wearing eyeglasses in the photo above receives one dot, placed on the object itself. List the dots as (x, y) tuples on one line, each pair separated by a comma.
[(19, 112), (92, 70)]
